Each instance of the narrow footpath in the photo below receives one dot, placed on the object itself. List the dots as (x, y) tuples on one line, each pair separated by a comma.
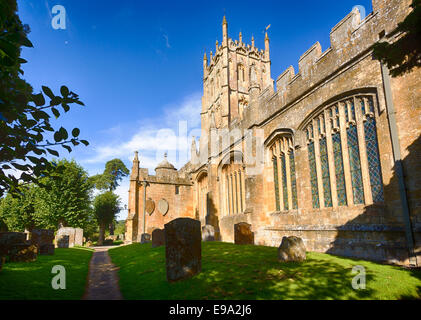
[(102, 278)]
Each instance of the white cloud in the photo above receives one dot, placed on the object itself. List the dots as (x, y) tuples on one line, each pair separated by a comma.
[(168, 133)]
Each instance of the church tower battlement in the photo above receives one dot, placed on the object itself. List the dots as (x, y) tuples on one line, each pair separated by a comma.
[(230, 76)]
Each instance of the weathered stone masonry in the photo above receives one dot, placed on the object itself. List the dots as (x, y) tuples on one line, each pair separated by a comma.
[(330, 151)]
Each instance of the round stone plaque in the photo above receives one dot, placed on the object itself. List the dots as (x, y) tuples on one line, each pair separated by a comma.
[(150, 206), (163, 206)]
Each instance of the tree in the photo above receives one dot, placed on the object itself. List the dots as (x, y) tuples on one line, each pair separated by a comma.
[(114, 172), (65, 199), (404, 54), (22, 213), (68, 194), (25, 117), (106, 206)]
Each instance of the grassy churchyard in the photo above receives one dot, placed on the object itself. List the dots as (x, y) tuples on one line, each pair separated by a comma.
[(32, 280), (231, 271)]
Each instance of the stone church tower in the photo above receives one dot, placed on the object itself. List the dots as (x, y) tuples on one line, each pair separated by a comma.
[(231, 77)]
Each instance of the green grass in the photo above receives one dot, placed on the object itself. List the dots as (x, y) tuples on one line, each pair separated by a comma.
[(253, 272), (32, 280)]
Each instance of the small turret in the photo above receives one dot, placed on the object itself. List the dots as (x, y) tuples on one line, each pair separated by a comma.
[(252, 41), (216, 46), (224, 32), (205, 65), (267, 53), (240, 37), (135, 167)]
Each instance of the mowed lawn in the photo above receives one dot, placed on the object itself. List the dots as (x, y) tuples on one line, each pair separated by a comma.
[(232, 271), (32, 280)]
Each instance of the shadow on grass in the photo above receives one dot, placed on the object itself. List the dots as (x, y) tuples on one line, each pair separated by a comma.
[(239, 272)]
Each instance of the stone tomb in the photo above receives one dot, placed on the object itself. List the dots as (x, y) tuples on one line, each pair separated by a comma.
[(158, 238), (208, 233), (69, 237), (183, 249), (243, 233)]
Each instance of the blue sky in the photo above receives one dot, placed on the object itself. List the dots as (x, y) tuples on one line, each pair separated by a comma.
[(137, 65)]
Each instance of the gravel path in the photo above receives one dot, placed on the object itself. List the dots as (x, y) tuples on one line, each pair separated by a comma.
[(102, 278)]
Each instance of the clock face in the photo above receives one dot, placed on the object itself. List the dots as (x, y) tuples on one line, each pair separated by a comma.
[(150, 206), (163, 206)]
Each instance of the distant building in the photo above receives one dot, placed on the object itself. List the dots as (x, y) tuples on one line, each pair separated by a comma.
[(315, 154)]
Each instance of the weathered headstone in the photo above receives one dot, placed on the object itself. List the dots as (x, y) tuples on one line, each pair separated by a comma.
[(23, 253), (243, 233), (291, 249), (8, 239), (183, 249), (208, 233), (63, 241), (158, 238), (43, 239), (145, 238)]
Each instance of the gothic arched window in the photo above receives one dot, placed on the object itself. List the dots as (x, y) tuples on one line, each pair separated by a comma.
[(345, 133), (283, 164)]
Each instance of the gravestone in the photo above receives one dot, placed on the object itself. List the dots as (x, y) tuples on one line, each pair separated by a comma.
[(23, 253), (43, 239), (291, 249), (183, 249), (208, 233), (8, 239), (158, 238), (145, 238), (243, 234), (63, 241)]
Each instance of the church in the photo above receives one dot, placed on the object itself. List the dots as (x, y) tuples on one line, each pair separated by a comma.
[(329, 152)]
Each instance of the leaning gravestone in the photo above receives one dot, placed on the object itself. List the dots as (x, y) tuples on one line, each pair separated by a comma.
[(158, 238), (291, 249), (183, 249), (208, 233), (243, 233)]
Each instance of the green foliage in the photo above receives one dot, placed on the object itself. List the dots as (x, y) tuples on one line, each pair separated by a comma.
[(249, 272), (24, 212), (32, 280), (114, 172), (64, 198), (404, 54), (25, 117), (120, 227), (106, 206), (68, 196)]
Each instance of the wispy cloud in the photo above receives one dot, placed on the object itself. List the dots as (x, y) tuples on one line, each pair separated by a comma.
[(170, 133)]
